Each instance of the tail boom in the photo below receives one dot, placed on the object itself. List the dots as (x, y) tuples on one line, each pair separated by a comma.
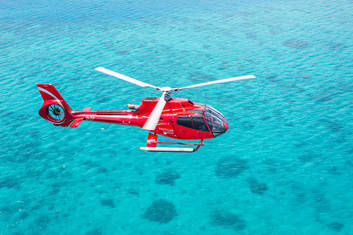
[(55, 109)]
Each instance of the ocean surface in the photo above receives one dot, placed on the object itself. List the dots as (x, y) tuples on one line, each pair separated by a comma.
[(285, 166)]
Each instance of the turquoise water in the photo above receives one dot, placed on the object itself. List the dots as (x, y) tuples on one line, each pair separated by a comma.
[(285, 166)]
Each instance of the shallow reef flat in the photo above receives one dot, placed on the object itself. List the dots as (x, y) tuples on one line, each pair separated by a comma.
[(284, 166)]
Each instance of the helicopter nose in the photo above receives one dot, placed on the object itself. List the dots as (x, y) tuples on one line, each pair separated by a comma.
[(225, 126)]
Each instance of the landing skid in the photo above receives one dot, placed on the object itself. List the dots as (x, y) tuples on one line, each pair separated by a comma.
[(152, 146)]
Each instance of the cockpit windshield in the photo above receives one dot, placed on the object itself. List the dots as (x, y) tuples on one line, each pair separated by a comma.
[(215, 112), (215, 121)]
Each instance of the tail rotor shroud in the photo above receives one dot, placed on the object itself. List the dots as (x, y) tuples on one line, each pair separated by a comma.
[(56, 113), (54, 109)]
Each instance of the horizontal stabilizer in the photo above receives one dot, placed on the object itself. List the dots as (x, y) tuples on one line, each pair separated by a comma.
[(87, 109), (76, 122), (167, 149)]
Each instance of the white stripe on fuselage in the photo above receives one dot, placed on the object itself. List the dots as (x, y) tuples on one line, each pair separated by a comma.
[(51, 94)]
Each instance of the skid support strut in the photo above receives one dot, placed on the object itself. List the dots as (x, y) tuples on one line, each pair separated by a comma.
[(152, 146)]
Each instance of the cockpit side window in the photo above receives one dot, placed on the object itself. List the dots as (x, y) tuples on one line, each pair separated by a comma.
[(185, 121), (199, 123)]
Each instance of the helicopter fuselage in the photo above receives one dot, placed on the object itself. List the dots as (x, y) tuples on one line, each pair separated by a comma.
[(171, 117), (180, 119)]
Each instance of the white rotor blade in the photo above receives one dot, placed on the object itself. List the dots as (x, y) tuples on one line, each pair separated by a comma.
[(124, 77), (153, 119), (217, 81)]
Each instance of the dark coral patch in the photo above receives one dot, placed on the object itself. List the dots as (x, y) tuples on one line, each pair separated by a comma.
[(102, 170), (200, 77), (256, 186), (24, 215), (334, 170), (167, 177), (332, 125), (295, 44), (123, 52), (133, 191), (246, 125), (161, 211), (229, 167), (108, 202), (227, 219), (325, 97), (103, 99), (336, 46), (309, 157), (250, 35), (95, 231), (335, 226), (9, 182), (272, 77), (42, 221)]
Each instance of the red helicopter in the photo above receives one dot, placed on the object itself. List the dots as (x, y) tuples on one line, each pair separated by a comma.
[(171, 117)]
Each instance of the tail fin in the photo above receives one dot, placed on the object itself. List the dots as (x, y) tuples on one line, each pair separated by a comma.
[(55, 108), (49, 92)]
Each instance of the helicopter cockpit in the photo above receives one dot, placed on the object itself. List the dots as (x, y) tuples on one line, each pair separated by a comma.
[(216, 121), (211, 120)]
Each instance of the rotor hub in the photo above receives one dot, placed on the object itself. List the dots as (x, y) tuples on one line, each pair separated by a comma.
[(56, 111), (166, 89)]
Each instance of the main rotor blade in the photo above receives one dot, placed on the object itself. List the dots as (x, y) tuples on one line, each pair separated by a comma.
[(153, 119), (125, 78), (217, 81)]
